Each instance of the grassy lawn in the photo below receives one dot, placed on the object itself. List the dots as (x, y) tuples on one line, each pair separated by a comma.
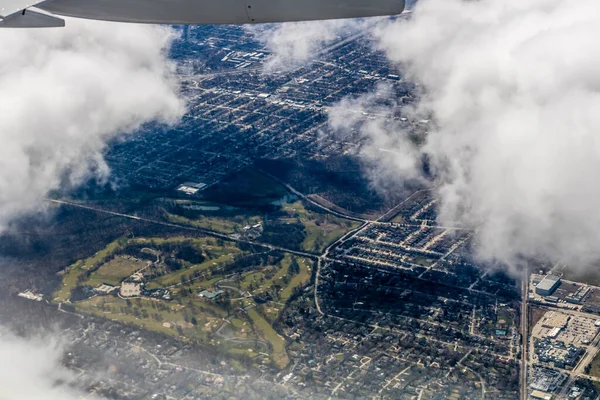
[(219, 224), (115, 270), (145, 314), (422, 261), (71, 274), (398, 219), (321, 229), (175, 317), (595, 366), (121, 267), (254, 278), (299, 279), (265, 329), (111, 309), (175, 277), (505, 315)]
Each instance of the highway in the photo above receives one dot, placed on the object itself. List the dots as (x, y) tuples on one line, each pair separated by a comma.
[(185, 227), (524, 331)]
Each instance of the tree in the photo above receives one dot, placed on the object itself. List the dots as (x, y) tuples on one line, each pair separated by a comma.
[(294, 268)]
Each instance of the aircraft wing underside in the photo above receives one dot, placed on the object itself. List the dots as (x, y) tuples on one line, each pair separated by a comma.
[(23, 14), (29, 14)]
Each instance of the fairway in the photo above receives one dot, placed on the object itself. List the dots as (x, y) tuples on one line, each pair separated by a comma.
[(300, 279), (72, 273), (114, 271), (321, 229), (234, 321), (265, 329)]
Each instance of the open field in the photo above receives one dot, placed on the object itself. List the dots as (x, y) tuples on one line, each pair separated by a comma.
[(216, 223), (234, 322), (595, 366), (257, 282), (72, 273), (175, 277), (115, 270), (266, 331), (300, 279), (321, 229), (148, 314), (588, 275)]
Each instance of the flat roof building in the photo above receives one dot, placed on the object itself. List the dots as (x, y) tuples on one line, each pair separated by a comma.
[(548, 285), (537, 394), (210, 294)]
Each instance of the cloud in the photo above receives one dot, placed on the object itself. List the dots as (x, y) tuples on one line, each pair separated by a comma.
[(295, 43), (514, 89), (65, 92), (31, 369), (389, 152)]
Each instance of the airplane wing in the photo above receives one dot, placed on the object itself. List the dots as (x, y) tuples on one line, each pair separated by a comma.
[(23, 14), (28, 13)]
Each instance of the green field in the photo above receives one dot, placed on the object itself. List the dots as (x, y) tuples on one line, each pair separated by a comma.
[(321, 229), (422, 261), (175, 277), (215, 223), (72, 273), (245, 197), (300, 279), (233, 322), (506, 316), (115, 270), (266, 331), (595, 366), (257, 282), (145, 314)]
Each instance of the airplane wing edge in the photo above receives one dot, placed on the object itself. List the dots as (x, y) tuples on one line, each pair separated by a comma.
[(23, 14)]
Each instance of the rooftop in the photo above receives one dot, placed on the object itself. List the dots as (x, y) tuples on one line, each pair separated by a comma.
[(548, 282)]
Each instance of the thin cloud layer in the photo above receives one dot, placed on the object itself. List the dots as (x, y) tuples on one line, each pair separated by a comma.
[(31, 370), (390, 155), (295, 43), (65, 92), (514, 142), (513, 87)]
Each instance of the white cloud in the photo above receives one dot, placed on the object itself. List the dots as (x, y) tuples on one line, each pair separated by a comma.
[(31, 370), (391, 157), (295, 43), (515, 90), (65, 92)]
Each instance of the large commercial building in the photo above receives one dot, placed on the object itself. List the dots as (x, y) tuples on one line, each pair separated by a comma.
[(539, 395), (548, 285)]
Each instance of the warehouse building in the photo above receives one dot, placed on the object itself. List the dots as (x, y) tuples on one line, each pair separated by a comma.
[(548, 285), (539, 395)]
